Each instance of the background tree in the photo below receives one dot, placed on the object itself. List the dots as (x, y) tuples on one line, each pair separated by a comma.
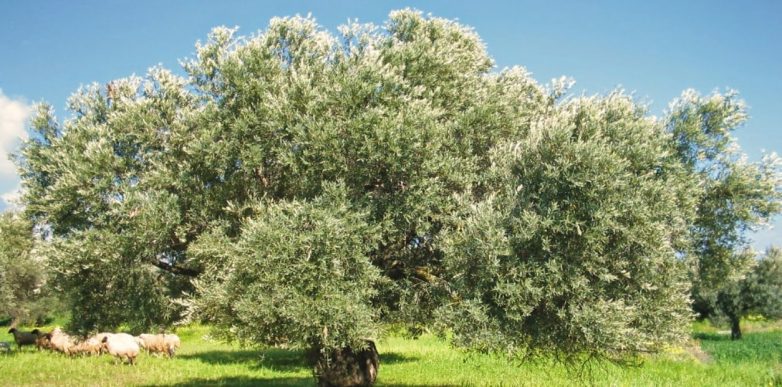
[(735, 196), (24, 293), (759, 292), (116, 237)]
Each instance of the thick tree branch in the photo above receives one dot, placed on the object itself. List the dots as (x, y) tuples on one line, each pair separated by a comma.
[(178, 270)]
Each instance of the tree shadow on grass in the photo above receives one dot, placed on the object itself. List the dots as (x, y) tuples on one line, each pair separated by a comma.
[(273, 359), (243, 381), (279, 360), (396, 358), (711, 336), (251, 381)]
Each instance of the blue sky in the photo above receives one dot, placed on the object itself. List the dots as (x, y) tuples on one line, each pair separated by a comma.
[(654, 49)]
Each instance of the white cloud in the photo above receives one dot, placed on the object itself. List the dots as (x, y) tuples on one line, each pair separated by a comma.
[(13, 116), (766, 237), (10, 200)]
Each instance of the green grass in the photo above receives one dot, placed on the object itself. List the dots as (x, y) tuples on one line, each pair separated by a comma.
[(754, 361)]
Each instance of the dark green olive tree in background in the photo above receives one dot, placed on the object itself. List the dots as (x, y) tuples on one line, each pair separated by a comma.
[(25, 293), (300, 188), (758, 292)]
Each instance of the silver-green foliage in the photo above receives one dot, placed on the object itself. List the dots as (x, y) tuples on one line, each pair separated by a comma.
[(298, 275), (25, 295), (574, 248), (735, 197), (404, 115), (525, 220), (114, 214)]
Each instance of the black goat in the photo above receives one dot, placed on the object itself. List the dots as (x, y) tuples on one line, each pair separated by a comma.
[(23, 338)]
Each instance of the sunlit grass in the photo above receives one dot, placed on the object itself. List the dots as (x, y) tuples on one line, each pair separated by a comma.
[(411, 362)]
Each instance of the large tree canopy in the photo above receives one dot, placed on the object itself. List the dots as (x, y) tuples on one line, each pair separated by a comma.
[(574, 249), (312, 186)]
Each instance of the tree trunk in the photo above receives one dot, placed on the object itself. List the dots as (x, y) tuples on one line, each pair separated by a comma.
[(735, 328), (346, 367)]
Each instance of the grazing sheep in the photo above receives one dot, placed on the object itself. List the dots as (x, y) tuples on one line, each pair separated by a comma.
[(86, 347), (23, 338), (172, 344), (121, 345), (61, 342), (97, 339), (5, 346), (151, 343), (161, 343), (41, 339), (90, 346)]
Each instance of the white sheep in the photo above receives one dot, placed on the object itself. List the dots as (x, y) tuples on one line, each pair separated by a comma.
[(172, 344), (161, 343), (91, 346), (62, 342), (98, 338), (151, 343), (121, 345)]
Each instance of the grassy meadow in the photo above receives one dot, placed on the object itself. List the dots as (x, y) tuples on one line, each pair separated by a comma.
[(712, 359)]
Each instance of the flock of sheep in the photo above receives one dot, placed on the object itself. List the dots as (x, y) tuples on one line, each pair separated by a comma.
[(121, 345)]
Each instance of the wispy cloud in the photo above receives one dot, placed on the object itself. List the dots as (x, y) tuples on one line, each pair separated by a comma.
[(10, 199), (765, 238), (13, 115)]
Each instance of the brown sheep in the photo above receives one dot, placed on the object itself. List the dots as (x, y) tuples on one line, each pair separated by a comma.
[(92, 345), (42, 339)]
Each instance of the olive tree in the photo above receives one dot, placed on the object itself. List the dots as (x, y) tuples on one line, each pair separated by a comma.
[(574, 247), (114, 241), (298, 275), (758, 292), (300, 188), (25, 294), (734, 196)]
